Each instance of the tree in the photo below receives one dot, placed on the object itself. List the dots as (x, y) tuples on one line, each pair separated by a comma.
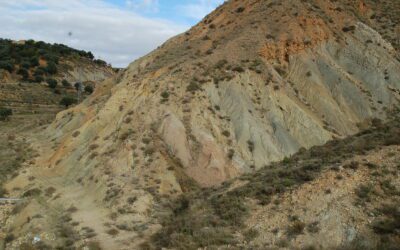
[(67, 101), (52, 83), (89, 89), (5, 113)]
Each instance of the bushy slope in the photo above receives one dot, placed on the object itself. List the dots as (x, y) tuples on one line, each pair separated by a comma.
[(34, 61)]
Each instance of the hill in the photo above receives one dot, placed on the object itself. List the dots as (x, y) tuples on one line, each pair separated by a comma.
[(35, 76), (32, 61), (180, 149)]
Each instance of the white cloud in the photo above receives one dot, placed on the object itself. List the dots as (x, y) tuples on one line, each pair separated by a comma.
[(199, 8), (146, 5), (112, 34)]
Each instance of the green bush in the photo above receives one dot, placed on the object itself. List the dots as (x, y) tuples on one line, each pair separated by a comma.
[(52, 83), (25, 65), (34, 61), (165, 94), (24, 73), (89, 89), (67, 101), (193, 87), (51, 68), (39, 72), (6, 65), (38, 79)]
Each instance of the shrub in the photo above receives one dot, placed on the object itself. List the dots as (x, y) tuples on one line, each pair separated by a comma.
[(364, 191), (165, 94), (231, 153), (250, 234), (112, 232), (296, 228), (240, 9), (38, 79), (250, 145), (34, 61), (220, 64), (6, 65), (51, 68), (5, 113), (65, 83), (3, 192), (226, 133), (52, 83), (39, 72), (77, 85), (89, 89), (193, 87), (238, 69), (25, 65), (67, 101), (9, 238), (386, 226), (349, 28), (23, 72)]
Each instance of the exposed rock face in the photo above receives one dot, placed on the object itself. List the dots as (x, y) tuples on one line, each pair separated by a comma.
[(80, 70), (254, 82), (294, 87)]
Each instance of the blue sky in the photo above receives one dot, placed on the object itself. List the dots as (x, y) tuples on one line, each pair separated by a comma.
[(118, 31), (181, 11)]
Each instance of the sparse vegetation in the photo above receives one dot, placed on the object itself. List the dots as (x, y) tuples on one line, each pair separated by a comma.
[(222, 210), (5, 114)]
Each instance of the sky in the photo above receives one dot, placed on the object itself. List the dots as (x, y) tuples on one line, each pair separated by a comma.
[(117, 31)]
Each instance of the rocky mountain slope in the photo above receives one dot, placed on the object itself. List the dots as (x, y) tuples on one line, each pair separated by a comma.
[(253, 83)]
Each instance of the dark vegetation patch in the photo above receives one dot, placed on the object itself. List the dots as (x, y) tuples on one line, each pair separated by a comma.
[(211, 217), (25, 58)]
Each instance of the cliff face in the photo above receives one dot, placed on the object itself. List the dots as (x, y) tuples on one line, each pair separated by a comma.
[(251, 84)]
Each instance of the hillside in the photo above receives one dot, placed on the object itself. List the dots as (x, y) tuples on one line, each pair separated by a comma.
[(35, 61), (342, 195), (35, 76), (36, 82), (140, 162)]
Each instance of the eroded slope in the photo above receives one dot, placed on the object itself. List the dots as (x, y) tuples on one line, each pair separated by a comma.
[(253, 83)]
